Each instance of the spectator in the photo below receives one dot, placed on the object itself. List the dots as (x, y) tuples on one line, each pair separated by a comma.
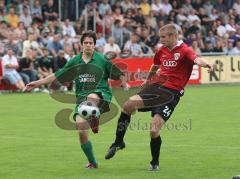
[(67, 29), (187, 6), (181, 17), (104, 7), (209, 48), (10, 66), (54, 45), (20, 32), (31, 43), (59, 61), (111, 46), (214, 14), (192, 16), (208, 7), (25, 17), (220, 6), (127, 5), (45, 64), (76, 48), (235, 50), (156, 6), (50, 11), (145, 7), (12, 19), (133, 46), (195, 47), (24, 4), (166, 7), (14, 44), (36, 11), (78, 28), (236, 6), (26, 67)]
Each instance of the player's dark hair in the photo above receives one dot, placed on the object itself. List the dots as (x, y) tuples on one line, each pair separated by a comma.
[(90, 34)]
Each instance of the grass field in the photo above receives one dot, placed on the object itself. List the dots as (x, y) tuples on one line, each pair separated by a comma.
[(201, 140)]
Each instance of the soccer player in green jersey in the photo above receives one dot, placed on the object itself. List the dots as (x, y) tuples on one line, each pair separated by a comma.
[(91, 71)]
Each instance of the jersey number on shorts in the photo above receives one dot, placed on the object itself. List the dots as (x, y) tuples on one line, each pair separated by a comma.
[(167, 111)]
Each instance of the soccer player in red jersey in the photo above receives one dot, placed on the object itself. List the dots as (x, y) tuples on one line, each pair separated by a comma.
[(161, 92)]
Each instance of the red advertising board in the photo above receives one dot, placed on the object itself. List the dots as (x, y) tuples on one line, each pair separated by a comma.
[(137, 70)]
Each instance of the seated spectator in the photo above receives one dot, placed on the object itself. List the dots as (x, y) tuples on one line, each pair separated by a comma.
[(166, 7), (59, 61), (20, 31), (26, 67), (25, 17), (54, 45), (76, 48), (32, 44), (45, 64), (12, 19), (10, 66), (145, 7), (14, 44), (50, 11), (209, 47), (36, 12), (111, 46), (103, 7), (235, 50), (22, 5), (236, 6), (133, 46), (67, 29)]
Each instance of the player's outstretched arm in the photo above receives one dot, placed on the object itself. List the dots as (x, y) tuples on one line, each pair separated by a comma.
[(35, 84), (201, 62)]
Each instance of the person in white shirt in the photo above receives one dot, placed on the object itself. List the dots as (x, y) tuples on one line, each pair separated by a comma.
[(10, 64), (235, 50), (67, 29), (111, 46)]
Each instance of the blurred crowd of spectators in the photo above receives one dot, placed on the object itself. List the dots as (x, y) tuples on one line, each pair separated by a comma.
[(43, 43)]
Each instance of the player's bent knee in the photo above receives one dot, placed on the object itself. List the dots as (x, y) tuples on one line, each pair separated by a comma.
[(129, 107)]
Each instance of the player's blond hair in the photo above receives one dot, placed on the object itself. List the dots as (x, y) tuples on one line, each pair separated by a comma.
[(170, 29)]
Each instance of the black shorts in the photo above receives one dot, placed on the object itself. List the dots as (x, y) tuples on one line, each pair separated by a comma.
[(159, 100)]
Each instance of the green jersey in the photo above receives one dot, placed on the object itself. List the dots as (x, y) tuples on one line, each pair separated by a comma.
[(91, 77)]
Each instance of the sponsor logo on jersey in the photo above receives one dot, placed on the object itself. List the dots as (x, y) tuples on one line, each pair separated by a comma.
[(87, 78), (169, 63)]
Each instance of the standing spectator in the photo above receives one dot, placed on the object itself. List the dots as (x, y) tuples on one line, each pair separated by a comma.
[(25, 17), (10, 66), (50, 11)]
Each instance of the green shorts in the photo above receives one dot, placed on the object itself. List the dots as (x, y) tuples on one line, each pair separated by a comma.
[(103, 105)]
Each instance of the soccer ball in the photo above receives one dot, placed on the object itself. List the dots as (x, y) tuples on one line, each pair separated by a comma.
[(87, 109)]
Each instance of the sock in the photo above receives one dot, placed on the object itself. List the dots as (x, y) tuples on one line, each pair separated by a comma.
[(123, 123), (88, 150), (155, 146)]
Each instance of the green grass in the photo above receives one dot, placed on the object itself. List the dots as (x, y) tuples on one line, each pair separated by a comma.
[(202, 140)]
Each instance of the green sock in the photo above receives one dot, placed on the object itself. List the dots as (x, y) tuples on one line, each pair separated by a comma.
[(88, 150)]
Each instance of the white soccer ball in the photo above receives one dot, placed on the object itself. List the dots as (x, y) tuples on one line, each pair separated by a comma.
[(87, 109)]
